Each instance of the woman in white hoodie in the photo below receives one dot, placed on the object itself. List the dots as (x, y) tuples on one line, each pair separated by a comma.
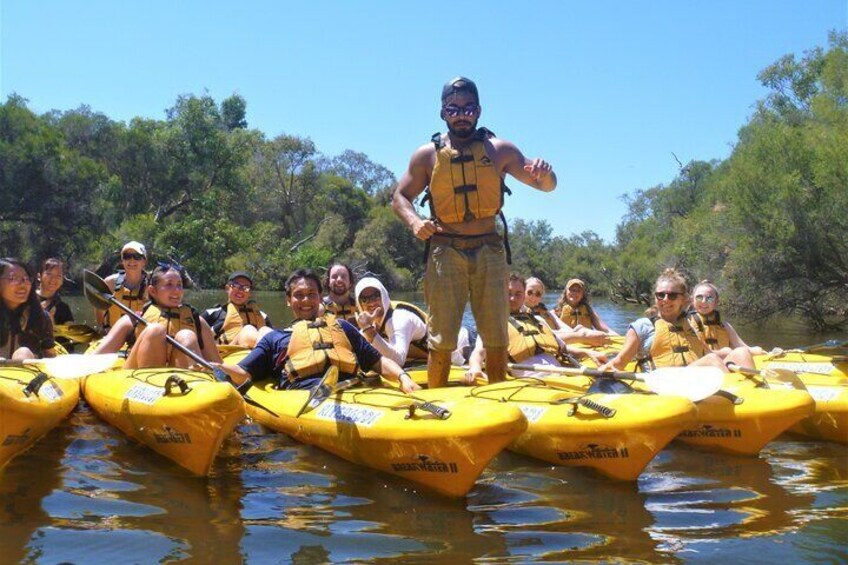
[(398, 330)]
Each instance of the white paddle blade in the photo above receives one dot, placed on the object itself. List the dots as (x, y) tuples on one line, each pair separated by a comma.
[(75, 366), (694, 383)]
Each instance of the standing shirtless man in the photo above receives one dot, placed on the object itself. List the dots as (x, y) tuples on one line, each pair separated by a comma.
[(463, 172)]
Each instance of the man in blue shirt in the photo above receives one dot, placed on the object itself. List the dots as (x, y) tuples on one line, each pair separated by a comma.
[(297, 356)]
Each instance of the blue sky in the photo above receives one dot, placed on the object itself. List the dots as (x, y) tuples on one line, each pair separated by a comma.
[(605, 91)]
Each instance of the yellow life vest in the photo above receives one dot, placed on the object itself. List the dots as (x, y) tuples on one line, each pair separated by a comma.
[(711, 329), (464, 184), (238, 317), (528, 337), (675, 344), (542, 311), (174, 319), (314, 346), (418, 349), (580, 315), (345, 312), (134, 299)]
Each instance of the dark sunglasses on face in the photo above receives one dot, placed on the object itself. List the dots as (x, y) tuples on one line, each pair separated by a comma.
[(667, 295), (452, 110), (708, 298), (241, 287), (534, 293), (369, 297), (132, 256)]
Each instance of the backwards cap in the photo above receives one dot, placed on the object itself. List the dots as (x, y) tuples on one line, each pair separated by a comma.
[(459, 84)]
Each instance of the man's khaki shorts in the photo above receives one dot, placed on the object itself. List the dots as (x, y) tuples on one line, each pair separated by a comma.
[(455, 276)]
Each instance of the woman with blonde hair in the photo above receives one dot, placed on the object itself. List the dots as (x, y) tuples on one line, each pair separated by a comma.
[(667, 339)]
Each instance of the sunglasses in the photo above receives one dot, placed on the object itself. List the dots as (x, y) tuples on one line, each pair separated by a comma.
[(667, 295), (241, 287), (452, 110), (708, 298), (132, 256), (534, 293), (369, 297)]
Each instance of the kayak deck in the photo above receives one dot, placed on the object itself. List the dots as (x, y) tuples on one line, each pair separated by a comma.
[(386, 430)]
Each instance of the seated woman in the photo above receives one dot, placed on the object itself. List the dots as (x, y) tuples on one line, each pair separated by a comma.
[(706, 320), (26, 331), (665, 339), (50, 281), (166, 314), (576, 312), (128, 286), (531, 341), (239, 321), (398, 330), (535, 291)]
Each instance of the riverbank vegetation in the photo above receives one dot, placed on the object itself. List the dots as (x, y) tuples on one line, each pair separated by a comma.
[(767, 224)]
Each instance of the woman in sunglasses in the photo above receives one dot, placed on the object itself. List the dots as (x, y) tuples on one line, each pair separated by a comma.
[(26, 331), (666, 339), (128, 285), (704, 317), (166, 315)]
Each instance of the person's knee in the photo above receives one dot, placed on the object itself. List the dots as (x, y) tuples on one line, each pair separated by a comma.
[(23, 353), (153, 332), (187, 338)]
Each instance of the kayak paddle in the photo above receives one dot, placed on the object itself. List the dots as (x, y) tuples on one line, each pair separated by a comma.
[(694, 383), (771, 377)]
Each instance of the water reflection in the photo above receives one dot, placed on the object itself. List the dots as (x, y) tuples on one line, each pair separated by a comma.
[(24, 483), (119, 502)]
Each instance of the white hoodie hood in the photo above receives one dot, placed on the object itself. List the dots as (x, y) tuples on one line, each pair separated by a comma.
[(371, 282)]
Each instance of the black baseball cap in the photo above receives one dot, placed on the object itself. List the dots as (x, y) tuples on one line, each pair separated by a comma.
[(237, 274), (459, 84)]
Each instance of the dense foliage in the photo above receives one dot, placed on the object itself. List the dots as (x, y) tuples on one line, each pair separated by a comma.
[(767, 224)]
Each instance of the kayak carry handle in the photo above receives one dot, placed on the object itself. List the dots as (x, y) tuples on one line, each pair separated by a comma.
[(440, 412)]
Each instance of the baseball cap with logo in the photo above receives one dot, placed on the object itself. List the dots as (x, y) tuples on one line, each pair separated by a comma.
[(460, 84)]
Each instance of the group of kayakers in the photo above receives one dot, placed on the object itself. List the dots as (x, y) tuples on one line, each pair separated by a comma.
[(356, 325)]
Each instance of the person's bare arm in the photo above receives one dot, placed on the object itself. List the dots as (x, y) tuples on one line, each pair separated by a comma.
[(411, 184), (536, 173), (627, 353)]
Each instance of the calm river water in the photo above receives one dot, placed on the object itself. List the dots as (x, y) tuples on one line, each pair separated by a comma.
[(86, 494)]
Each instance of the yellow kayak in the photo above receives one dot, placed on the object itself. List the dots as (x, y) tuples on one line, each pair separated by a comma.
[(31, 404), (830, 419), (835, 366), (758, 415), (745, 417), (380, 428), (75, 333), (183, 415), (615, 434)]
